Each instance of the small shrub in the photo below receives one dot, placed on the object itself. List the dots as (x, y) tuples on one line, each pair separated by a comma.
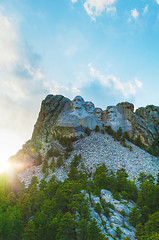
[(119, 133), (123, 139), (124, 195), (118, 232), (123, 213), (127, 137), (102, 131), (52, 164), (138, 142), (59, 161), (110, 205), (46, 174), (55, 153), (44, 165), (87, 131), (49, 153), (38, 160), (66, 155), (134, 216), (109, 130), (117, 196), (76, 160), (107, 211), (97, 128), (98, 208), (124, 144)]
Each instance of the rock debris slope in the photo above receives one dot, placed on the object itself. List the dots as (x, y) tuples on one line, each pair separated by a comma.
[(97, 149)]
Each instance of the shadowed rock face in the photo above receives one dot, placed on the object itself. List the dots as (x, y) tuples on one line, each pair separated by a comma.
[(58, 111), (51, 107), (115, 117), (145, 121)]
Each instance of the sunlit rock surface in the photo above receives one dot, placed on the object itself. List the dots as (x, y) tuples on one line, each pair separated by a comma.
[(115, 117), (78, 114)]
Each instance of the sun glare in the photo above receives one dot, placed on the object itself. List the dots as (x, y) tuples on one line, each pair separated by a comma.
[(9, 145), (3, 166)]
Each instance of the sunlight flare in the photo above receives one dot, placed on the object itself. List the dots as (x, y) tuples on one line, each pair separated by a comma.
[(10, 143)]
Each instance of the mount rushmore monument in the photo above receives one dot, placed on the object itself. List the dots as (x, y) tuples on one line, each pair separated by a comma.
[(76, 115), (59, 116)]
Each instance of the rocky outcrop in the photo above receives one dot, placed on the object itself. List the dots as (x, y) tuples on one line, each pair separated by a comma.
[(60, 112), (51, 107), (72, 117), (143, 122), (109, 225), (63, 116), (150, 114)]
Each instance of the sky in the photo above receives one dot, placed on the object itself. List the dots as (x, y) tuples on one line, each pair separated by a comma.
[(104, 50)]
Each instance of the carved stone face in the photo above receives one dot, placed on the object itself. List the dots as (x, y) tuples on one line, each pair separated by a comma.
[(112, 113), (98, 113), (90, 108), (78, 102)]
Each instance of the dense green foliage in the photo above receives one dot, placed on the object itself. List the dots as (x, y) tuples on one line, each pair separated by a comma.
[(145, 216), (60, 211), (47, 210)]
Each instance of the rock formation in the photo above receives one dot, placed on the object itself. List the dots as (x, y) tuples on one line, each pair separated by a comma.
[(71, 118), (58, 111)]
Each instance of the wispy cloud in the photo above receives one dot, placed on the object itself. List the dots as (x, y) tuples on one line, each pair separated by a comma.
[(157, 1), (97, 7), (66, 90), (134, 13), (8, 43), (74, 1), (145, 10), (127, 89), (21, 79)]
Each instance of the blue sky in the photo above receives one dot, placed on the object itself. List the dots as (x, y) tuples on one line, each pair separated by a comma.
[(105, 50)]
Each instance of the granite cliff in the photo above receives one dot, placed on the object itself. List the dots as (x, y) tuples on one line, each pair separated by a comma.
[(58, 112), (59, 116)]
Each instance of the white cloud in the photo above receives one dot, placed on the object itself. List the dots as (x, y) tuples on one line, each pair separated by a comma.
[(138, 83), (134, 13), (21, 81), (68, 91), (145, 10), (74, 1), (96, 7), (8, 43), (157, 1), (18, 65), (127, 89)]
